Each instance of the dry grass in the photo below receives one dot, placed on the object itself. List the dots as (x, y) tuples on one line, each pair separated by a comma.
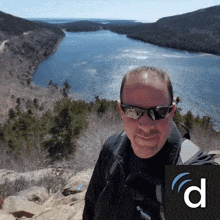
[(27, 160), (92, 139), (206, 138)]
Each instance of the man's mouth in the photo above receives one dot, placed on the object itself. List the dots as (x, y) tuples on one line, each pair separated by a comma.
[(148, 136)]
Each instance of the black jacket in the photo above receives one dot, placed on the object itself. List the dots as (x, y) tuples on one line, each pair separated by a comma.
[(117, 192)]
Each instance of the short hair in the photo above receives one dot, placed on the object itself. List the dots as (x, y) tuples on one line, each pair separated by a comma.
[(163, 76)]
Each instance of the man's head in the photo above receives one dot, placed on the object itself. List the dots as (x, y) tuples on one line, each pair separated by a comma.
[(147, 87)]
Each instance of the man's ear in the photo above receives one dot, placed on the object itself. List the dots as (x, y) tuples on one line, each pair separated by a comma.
[(172, 113), (120, 110)]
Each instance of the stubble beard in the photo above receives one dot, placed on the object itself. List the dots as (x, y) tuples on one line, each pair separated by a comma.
[(145, 148)]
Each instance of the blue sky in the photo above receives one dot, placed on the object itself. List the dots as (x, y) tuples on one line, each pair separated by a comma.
[(144, 10)]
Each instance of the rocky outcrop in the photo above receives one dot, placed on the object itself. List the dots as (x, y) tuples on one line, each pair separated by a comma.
[(39, 204)]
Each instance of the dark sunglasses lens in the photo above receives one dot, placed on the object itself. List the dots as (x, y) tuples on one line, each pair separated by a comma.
[(161, 112), (133, 112)]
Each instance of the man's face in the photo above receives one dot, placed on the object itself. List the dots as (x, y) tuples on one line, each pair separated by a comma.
[(147, 136)]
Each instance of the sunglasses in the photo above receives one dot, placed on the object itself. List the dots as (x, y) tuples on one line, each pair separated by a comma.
[(154, 113)]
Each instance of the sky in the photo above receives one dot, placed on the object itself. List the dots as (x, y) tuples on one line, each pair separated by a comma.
[(141, 10)]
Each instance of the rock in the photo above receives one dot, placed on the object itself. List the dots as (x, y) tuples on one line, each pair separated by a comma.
[(78, 183), (35, 194), (79, 207), (51, 202), (61, 200), (64, 200), (7, 217), (61, 212), (15, 203)]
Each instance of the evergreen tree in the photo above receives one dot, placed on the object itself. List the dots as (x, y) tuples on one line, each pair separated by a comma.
[(188, 119), (11, 113), (70, 119)]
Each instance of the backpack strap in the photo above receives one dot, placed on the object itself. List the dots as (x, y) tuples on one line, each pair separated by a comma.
[(188, 152)]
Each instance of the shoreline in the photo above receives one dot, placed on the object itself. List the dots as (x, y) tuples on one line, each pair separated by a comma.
[(181, 46)]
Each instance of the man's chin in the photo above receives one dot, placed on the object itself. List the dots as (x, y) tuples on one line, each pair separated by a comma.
[(149, 141), (145, 147)]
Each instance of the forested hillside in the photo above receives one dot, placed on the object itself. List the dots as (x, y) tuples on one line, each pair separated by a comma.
[(197, 31)]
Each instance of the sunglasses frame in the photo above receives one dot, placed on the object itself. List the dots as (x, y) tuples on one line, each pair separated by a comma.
[(147, 111)]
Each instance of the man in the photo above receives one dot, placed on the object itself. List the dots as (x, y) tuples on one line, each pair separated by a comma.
[(129, 177)]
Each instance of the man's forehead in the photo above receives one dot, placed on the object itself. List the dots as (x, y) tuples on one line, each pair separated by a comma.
[(145, 87), (146, 79), (153, 88)]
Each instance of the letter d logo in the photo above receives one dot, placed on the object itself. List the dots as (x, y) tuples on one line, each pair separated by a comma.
[(202, 192)]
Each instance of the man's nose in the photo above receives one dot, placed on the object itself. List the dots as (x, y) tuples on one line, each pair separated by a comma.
[(145, 122)]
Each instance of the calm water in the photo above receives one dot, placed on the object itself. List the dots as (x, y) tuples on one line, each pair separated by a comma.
[(94, 64)]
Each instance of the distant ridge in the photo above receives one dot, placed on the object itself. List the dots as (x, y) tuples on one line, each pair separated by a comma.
[(81, 26), (204, 18), (197, 31)]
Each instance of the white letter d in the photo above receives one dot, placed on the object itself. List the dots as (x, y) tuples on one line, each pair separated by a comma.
[(202, 192)]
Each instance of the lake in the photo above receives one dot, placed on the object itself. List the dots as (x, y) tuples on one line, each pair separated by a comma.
[(95, 62)]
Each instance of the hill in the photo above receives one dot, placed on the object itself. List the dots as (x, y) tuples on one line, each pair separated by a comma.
[(24, 44), (14, 26), (198, 31)]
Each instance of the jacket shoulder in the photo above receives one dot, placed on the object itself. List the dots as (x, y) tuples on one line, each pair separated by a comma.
[(111, 143)]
